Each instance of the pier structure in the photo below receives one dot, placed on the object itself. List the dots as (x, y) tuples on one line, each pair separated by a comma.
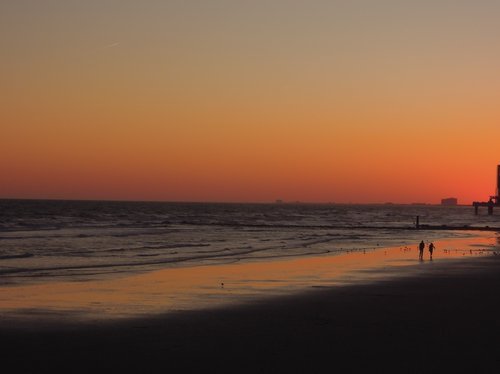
[(494, 200)]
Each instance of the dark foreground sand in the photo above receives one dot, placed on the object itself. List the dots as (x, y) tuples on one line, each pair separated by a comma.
[(444, 320)]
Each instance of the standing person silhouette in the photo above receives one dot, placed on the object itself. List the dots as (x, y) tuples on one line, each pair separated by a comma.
[(421, 247), (431, 249)]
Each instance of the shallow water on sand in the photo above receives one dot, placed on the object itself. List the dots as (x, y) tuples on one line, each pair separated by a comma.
[(188, 288)]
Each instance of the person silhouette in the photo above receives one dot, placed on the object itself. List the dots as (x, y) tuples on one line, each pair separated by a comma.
[(421, 247), (431, 249)]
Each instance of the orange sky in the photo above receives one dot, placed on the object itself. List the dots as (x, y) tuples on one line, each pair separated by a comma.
[(249, 101)]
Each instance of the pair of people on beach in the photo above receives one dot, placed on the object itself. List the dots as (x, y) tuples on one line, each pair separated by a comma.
[(421, 248)]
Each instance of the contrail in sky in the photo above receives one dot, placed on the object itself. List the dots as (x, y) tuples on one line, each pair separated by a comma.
[(108, 46)]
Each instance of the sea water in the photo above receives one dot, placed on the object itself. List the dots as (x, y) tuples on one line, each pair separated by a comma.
[(43, 240)]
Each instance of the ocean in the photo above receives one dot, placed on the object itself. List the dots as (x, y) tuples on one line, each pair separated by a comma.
[(45, 240)]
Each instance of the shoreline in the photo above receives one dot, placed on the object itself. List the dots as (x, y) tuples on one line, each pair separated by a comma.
[(214, 286), (440, 320)]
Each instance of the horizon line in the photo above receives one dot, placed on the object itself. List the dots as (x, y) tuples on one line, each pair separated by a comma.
[(275, 202)]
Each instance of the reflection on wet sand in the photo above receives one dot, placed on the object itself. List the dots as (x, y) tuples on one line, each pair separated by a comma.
[(216, 285)]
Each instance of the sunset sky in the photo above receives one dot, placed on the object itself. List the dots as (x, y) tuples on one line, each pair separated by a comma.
[(317, 101)]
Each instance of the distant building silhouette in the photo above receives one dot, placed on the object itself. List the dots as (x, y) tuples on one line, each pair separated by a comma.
[(498, 184), (449, 201)]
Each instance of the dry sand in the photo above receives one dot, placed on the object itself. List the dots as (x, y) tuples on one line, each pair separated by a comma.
[(442, 319)]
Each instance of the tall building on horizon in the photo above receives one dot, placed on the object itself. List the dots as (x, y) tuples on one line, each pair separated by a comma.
[(497, 192)]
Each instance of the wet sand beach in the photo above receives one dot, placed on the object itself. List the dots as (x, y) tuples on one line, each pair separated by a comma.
[(439, 316)]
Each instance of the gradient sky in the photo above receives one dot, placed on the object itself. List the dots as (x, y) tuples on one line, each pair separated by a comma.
[(320, 101)]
